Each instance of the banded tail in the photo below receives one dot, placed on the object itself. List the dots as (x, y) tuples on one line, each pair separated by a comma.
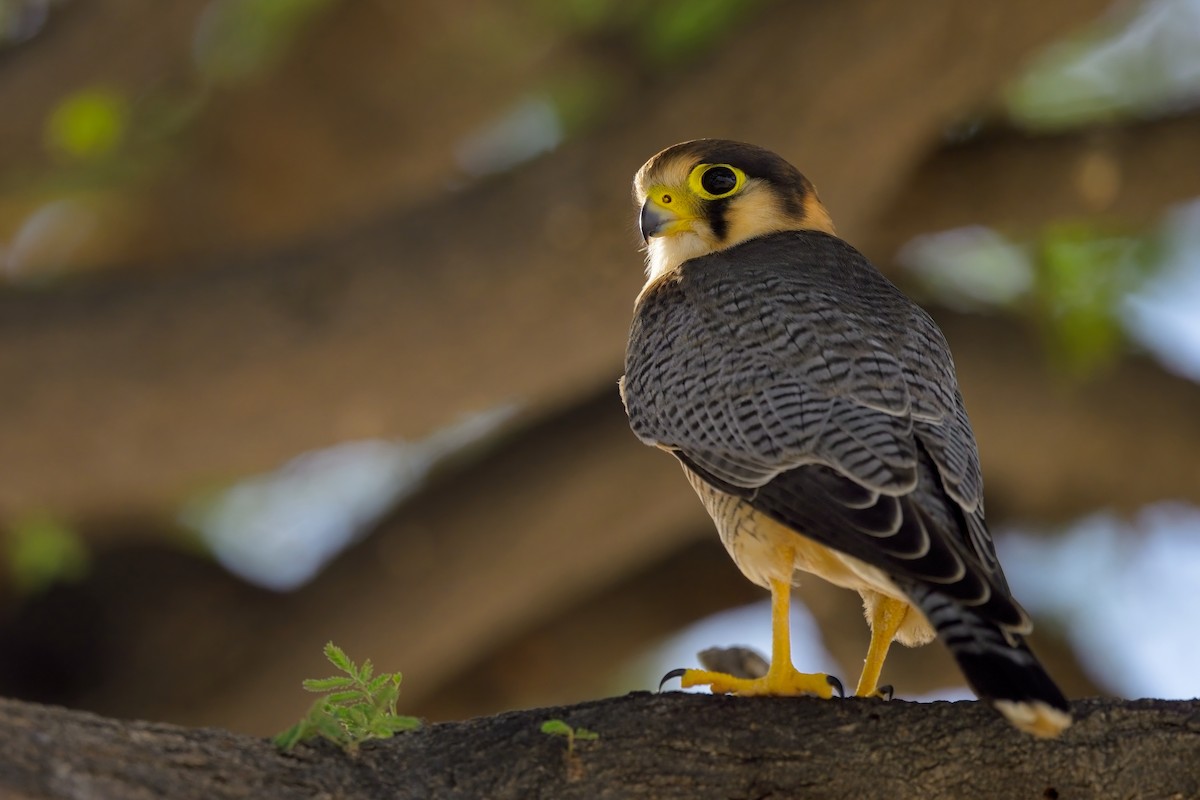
[(998, 665)]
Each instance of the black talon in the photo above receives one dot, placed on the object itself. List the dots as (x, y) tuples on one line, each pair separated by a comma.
[(836, 684), (675, 673), (887, 691)]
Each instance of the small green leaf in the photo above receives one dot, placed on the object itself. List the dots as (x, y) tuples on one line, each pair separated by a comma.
[(386, 694), (338, 658), (586, 735), (556, 727), (343, 698), (366, 671), (291, 737), (326, 684), (331, 729), (379, 730), (358, 715), (398, 724)]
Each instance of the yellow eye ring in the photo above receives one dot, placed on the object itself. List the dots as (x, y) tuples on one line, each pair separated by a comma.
[(714, 181)]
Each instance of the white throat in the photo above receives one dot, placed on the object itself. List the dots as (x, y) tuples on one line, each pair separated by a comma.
[(665, 254)]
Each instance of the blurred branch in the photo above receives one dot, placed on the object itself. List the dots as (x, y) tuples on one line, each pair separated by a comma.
[(584, 649), (350, 125), (214, 161), (124, 394), (561, 513), (661, 746), (601, 644), (1128, 174), (1053, 448)]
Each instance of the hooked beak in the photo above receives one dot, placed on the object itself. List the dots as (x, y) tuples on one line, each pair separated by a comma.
[(655, 219)]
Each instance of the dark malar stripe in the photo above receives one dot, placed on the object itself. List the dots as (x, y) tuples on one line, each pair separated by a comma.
[(717, 218)]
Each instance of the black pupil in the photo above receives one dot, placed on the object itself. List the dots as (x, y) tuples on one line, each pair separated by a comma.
[(718, 180)]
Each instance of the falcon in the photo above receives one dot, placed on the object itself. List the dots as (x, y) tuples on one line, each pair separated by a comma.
[(815, 410)]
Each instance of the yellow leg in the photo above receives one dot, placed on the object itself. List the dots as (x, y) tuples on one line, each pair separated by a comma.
[(781, 678), (886, 618)]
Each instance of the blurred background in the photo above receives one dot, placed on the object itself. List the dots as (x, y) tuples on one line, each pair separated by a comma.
[(312, 312)]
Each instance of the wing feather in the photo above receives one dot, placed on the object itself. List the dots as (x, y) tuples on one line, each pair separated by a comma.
[(788, 371)]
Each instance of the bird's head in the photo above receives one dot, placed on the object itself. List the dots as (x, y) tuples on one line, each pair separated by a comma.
[(705, 195)]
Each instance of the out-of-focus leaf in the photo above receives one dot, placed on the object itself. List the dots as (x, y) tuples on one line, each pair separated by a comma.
[(586, 15), (237, 39), (1082, 278), (41, 551), (581, 97), (674, 30), (88, 125), (1141, 61)]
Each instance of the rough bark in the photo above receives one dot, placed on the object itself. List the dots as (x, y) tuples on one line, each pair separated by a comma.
[(654, 746), (149, 387)]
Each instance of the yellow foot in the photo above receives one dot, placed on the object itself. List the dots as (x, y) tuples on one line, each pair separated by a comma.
[(785, 682)]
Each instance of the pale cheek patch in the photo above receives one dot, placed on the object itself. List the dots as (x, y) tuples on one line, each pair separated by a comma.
[(754, 213), (757, 211), (816, 217)]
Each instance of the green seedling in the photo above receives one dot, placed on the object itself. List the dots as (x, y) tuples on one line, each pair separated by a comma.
[(556, 727), (358, 705)]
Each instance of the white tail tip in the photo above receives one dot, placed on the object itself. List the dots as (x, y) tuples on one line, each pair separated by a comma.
[(1034, 717)]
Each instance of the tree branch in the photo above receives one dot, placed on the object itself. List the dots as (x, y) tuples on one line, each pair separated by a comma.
[(1129, 174), (657, 746)]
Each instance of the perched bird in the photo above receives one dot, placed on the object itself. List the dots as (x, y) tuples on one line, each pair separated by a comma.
[(815, 410)]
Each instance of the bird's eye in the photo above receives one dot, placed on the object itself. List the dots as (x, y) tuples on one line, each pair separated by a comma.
[(718, 180), (715, 181)]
